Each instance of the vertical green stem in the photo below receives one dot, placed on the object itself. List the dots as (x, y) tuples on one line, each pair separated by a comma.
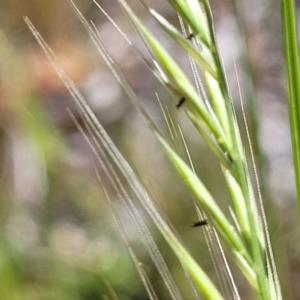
[(292, 63)]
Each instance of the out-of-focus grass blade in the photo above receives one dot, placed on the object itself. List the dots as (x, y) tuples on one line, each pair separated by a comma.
[(292, 64), (138, 265)]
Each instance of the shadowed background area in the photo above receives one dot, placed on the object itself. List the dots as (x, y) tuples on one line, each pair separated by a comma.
[(58, 236)]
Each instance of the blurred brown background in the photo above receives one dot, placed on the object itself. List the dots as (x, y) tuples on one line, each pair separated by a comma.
[(58, 237)]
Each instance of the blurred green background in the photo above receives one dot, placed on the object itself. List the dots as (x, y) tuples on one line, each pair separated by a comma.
[(58, 238)]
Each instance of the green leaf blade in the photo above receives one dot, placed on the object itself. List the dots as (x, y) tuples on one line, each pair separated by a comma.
[(293, 73)]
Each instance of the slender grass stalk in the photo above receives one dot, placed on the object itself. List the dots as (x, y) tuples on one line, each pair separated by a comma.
[(292, 63)]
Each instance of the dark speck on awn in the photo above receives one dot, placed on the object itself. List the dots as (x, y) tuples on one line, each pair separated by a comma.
[(199, 223), (181, 101), (190, 36)]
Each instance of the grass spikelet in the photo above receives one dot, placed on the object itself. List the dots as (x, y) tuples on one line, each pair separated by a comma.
[(208, 105)]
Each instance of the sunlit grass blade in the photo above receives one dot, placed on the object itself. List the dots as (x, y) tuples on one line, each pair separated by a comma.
[(192, 13), (205, 60), (179, 79), (265, 243), (174, 91), (206, 202), (202, 57), (216, 251)]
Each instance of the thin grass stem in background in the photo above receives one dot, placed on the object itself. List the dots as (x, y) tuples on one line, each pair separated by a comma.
[(289, 25)]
